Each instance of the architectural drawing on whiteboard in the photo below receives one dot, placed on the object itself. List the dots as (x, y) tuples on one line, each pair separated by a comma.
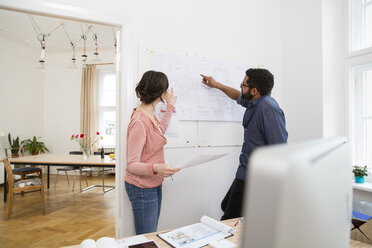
[(197, 101)]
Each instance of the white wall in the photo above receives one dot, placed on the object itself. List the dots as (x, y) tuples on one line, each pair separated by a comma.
[(302, 68), (313, 68), (21, 91), (21, 94), (334, 96), (62, 105)]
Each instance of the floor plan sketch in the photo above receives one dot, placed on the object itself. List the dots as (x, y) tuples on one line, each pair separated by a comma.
[(197, 101)]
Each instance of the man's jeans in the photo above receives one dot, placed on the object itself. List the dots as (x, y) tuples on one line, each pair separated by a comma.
[(146, 205)]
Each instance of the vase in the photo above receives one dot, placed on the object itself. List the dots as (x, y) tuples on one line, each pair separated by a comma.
[(359, 179), (86, 153)]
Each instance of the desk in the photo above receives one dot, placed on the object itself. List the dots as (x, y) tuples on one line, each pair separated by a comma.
[(60, 160), (236, 238)]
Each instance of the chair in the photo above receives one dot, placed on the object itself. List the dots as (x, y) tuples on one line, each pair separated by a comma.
[(22, 186), (71, 168), (97, 170), (81, 171), (90, 169), (23, 171), (100, 170)]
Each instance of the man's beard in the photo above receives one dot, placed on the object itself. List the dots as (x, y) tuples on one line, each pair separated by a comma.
[(247, 95)]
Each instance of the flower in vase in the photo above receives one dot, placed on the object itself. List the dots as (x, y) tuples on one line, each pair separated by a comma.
[(86, 142)]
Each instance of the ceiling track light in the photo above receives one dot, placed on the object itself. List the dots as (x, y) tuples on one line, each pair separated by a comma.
[(84, 56), (73, 45), (95, 45), (96, 57), (42, 55), (42, 39), (73, 59)]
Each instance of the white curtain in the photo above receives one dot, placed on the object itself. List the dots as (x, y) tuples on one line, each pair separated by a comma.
[(88, 102)]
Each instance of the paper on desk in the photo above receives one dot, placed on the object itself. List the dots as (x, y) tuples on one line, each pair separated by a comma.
[(223, 243), (197, 160), (124, 243)]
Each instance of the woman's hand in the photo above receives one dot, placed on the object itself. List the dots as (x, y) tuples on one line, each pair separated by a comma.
[(164, 170), (170, 97)]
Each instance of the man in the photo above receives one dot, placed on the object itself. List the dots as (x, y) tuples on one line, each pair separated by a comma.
[(263, 122)]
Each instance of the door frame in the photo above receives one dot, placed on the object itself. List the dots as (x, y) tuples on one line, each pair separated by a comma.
[(124, 72)]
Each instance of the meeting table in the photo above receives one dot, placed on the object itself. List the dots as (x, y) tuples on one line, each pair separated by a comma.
[(60, 160)]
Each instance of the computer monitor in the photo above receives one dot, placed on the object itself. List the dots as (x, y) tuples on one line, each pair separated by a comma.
[(299, 195)]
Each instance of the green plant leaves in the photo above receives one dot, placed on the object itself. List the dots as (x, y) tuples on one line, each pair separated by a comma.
[(14, 144), (34, 145)]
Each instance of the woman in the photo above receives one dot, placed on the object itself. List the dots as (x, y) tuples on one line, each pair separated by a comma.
[(146, 167)]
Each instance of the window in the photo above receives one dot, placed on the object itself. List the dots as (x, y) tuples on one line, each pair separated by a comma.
[(362, 115), (107, 106), (360, 71), (361, 24)]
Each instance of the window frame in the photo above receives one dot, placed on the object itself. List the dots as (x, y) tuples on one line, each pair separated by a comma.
[(356, 30), (101, 72), (360, 117), (355, 63)]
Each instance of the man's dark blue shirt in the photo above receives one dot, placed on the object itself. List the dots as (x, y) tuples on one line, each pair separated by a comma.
[(264, 124)]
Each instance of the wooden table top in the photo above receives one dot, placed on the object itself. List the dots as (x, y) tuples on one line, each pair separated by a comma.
[(63, 159), (236, 238)]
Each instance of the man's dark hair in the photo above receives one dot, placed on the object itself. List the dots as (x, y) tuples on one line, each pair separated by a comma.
[(261, 79), (151, 86)]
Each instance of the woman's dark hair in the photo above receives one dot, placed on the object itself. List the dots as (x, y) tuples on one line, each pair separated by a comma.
[(151, 86), (261, 79)]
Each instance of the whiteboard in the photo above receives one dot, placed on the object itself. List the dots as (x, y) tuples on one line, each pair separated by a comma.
[(204, 128), (220, 134), (197, 101), (186, 136)]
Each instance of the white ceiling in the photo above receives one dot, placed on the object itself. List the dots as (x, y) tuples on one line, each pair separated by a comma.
[(17, 27)]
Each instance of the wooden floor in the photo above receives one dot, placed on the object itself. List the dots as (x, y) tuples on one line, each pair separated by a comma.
[(70, 216)]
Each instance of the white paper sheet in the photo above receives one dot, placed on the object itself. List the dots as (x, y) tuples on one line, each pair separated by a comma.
[(103, 242), (195, 235), (216, 224), (123, 243), (223, 243), (197, 159), (106, 242)]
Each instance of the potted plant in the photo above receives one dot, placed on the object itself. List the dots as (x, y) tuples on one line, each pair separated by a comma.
[(33, 146), (14, 145), (359, 173)]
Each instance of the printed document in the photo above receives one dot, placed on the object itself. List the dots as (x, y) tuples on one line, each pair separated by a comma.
[(197, 235), (197, 160)]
